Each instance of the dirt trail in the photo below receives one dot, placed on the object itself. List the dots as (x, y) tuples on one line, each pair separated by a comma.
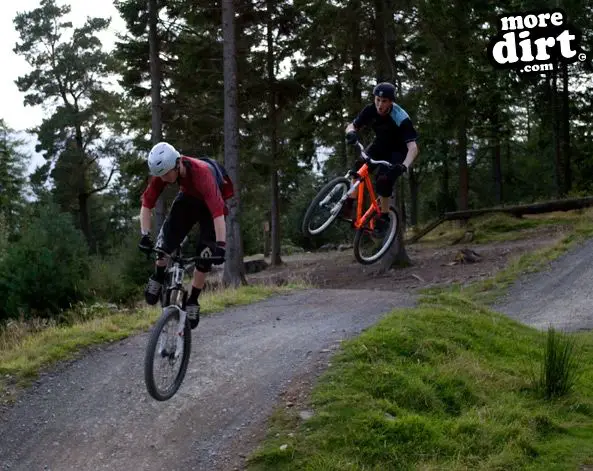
[(95, 413), (560, 296)]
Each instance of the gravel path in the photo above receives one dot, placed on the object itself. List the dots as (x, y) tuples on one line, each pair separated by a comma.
[(561, 295), (95, 414)]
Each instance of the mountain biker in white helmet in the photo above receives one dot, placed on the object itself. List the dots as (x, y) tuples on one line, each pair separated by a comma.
[(395, 142), (203, 187)]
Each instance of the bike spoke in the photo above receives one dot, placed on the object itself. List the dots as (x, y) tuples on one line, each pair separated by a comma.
[(167, 362)]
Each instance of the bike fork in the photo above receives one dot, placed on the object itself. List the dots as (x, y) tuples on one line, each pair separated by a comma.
[(179, 334), (336, 208), (325, 200)]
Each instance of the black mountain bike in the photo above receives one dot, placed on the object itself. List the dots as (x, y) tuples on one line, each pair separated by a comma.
[(169, 345)]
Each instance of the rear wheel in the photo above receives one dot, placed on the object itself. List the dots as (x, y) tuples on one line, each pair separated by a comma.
[(325, 207), (368, 249), (167, 355)]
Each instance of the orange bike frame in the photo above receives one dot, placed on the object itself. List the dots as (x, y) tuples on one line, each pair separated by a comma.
[(363, 173)]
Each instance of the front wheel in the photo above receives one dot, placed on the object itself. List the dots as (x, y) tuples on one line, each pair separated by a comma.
[(325, 206), (167, 355), (367, 248)]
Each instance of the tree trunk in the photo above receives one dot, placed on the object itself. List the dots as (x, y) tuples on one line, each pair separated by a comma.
[(497, 170), (496, 149), (463, 197), (344, 154), (389, 46), (399, 190), (339, 113), (496, 162), (414, 191), (443, 204), (275, 258), (556, 134), (527, 107), (85, 225), (461, 77), (356, 74), (382, 67), (396, 256), (385, 71), (566, 129), (234, 269), (83, 195), (509, 164), (155, 95), (266, 234)]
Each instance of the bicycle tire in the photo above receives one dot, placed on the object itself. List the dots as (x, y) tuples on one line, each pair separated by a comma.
[(151, 386), (315, 203), (384, 248)]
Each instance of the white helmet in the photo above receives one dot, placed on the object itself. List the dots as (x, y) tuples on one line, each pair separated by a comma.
[(162, 158)]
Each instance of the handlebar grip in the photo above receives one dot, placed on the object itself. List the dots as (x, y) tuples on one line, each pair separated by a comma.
[(207, 259)]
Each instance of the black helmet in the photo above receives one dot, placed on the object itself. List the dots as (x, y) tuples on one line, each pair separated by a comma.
[(385, 90)]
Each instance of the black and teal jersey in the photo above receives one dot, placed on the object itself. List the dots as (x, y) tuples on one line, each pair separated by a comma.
[(393, 131)]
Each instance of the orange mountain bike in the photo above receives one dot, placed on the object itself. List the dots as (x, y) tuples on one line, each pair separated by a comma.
[(325, 208)]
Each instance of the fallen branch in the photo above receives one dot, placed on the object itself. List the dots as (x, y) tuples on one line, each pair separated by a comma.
[(518, 211)]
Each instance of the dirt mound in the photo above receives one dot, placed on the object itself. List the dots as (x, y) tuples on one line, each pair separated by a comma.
[(431, 265)]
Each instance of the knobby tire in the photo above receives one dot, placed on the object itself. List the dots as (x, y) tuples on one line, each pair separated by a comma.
[(384, 249), (151, 385), (313, 207)]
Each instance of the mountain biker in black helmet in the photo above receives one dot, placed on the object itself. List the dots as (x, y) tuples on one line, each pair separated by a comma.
[(395, 142)]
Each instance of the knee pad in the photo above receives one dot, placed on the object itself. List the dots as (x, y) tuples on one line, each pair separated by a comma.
[(384, 186)]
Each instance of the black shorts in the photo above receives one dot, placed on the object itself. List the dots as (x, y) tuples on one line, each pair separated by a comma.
[(384, 177), (185, 212)]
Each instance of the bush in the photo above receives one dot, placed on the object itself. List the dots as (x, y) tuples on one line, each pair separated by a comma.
[(43, 271), (119, 277)]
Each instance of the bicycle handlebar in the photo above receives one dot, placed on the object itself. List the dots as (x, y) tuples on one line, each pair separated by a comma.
[(186, 260), (370, 160)]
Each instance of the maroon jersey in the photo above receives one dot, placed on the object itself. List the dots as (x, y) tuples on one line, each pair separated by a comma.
[(198, 182)]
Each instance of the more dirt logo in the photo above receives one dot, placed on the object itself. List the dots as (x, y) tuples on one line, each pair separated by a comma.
[(535, 42)]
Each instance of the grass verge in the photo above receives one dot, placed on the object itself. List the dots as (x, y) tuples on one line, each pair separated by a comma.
[(26, 348), (444, 386), (487, 291), (449, 385), (499, 227)]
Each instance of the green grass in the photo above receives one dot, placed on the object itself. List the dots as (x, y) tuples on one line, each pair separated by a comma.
[(444, 386), (25, 348), (559, 369), (499, 227), (449, 385)]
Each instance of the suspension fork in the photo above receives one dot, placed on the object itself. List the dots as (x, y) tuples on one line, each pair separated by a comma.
[(325, 200)]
